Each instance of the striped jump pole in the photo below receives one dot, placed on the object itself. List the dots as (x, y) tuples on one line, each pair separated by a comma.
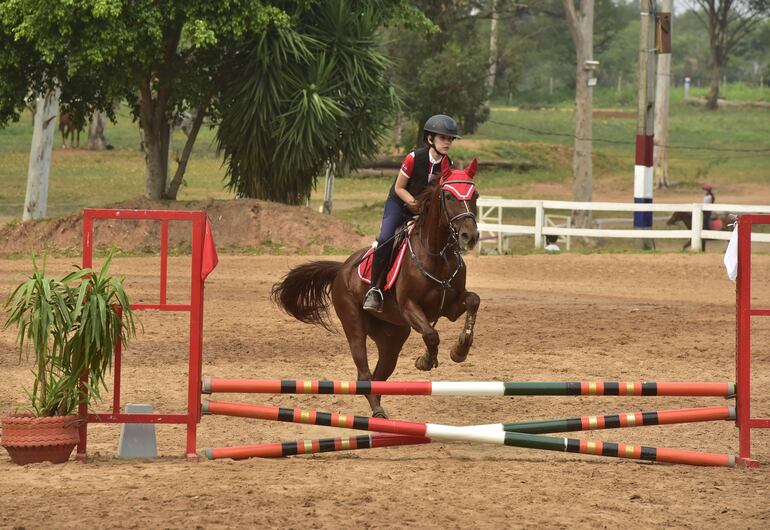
[(307, 447), (437, 432), (583, 423), (615, 421), (471, 388)]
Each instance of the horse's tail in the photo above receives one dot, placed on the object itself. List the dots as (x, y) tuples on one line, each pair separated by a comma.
[(304, 292)]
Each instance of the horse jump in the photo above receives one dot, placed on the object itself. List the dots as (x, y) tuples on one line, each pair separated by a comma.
[(741, 390), (518, 434)]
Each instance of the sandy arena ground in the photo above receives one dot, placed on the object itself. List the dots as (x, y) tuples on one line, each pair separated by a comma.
[(561, 318)]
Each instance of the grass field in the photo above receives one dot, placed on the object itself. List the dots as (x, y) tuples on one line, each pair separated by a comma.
[(730, 145)]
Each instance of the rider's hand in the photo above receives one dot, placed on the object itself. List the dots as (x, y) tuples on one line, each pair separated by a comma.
[(413, 207)]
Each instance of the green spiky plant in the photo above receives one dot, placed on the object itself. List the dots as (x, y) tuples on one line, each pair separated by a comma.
[(71, 326)]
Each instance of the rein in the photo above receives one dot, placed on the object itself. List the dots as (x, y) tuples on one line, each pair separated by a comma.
[(452, 244)]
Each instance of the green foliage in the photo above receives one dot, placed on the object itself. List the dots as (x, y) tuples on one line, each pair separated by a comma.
[(305, 96), (160, 56), (443, 72), (536, 63), (72, 326)]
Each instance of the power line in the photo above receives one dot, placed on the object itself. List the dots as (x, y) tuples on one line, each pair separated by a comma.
[(625, 142)]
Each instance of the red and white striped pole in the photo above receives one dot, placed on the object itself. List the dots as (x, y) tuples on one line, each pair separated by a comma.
[(643, 172)]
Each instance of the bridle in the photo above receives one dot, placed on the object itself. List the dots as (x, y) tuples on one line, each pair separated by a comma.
[(452, 244), (464, 201)]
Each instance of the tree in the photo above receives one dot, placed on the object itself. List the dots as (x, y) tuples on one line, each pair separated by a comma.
[(160, 55), (727, 22), (30, 79), (319, 94), (445, 71)]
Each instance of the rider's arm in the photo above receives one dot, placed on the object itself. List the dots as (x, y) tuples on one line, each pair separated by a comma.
[(402, 192)]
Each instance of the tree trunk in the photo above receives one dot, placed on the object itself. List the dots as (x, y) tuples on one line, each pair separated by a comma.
[(96, 139), (154, 96), (716, 71), (156, 127), (176, 182), (492, 54), (157, 139), (36, 200)]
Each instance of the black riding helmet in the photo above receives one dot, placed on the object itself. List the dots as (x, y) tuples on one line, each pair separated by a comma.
[(441, 124)]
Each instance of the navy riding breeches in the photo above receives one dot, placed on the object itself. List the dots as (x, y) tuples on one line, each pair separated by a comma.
[(395, 215)]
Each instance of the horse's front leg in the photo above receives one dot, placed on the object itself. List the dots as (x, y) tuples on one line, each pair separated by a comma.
[(353, 320), (468, 304), (416, 318)]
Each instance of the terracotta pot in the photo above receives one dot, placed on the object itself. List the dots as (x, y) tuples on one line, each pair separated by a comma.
[(29, 439)]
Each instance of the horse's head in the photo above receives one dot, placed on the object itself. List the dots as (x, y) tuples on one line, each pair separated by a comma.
[(676, 217), (458, 202)]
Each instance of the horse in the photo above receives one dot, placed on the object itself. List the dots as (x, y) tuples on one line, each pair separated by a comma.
[(719, 221), (71, 124), (430, 285)]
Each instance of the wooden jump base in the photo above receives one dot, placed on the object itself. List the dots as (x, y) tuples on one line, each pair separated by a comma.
[(307, 447), (437, 432), (473, 388)]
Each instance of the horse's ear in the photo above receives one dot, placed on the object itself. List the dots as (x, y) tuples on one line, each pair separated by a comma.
[(446, 169), (471, 169)]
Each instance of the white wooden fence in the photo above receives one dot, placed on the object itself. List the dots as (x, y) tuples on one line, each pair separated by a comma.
[(491, 225)]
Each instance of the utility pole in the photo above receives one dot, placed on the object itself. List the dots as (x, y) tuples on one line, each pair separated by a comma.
[(581, 25), (663, 44), (645, 119)]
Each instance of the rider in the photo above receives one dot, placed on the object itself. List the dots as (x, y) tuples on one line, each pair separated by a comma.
[(417, 170)]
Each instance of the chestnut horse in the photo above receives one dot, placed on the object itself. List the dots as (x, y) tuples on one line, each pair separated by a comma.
[(719, 221), (430, 285)]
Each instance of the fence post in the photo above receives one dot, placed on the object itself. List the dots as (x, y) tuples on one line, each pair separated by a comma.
[(697, 227), (539, 221), (499, 234)]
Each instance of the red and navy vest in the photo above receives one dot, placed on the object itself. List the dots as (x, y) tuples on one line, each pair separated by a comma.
[(421, 170)]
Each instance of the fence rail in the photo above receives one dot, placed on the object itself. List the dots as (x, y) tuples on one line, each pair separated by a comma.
[(491, 224)]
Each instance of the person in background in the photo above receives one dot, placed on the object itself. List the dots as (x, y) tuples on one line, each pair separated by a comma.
[(708, 198), (418, 168), (550, 244)]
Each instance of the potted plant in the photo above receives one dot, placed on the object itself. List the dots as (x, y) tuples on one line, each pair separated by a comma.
[(71, 327)]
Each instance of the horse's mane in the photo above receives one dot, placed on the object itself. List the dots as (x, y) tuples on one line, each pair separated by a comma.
[(425, 197)]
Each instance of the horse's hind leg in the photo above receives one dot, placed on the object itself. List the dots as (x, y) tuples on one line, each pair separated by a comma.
[(389, 340), (468, 304)]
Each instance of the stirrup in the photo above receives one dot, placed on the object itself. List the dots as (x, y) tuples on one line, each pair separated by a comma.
[(373, 300)]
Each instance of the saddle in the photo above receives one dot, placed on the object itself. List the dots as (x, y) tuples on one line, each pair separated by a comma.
[(399, 247)]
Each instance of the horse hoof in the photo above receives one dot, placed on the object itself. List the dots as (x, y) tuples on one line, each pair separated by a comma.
[(459, 351), (379, 412), (421, 363), (458, 354)]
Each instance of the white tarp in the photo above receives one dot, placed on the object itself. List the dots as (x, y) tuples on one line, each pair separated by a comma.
[(731, 255)]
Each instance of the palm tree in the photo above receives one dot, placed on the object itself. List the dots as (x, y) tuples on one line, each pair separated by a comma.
[(303, 97)]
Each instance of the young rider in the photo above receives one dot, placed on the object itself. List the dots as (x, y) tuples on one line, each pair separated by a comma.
[(418, 169)]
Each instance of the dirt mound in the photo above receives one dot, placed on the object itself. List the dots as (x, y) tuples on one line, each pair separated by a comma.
[(241, 225)]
